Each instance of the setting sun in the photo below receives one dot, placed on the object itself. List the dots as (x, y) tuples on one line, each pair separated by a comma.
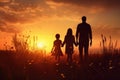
[(40, 45)]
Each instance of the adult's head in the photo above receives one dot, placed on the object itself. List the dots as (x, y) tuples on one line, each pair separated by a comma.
[(84, 19)]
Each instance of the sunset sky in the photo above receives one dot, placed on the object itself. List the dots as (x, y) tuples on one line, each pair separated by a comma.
[(45, 18)]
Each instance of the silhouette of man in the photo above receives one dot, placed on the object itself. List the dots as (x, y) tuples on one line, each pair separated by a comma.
[(84, 35)]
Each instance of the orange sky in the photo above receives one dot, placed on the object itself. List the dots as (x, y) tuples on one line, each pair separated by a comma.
[(45, 18)]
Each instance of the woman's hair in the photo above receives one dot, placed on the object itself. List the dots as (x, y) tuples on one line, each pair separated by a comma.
[(57, 36), (69, 32)]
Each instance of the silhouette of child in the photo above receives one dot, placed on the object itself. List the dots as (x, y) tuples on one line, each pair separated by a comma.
[(56, 50), (69, 40)]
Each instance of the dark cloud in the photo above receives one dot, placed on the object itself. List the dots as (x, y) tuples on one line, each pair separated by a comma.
[(8, 28), (10, 17), (107, 30), (91, 3), (23, 11), (3, 3), (23, 3), (29, 3), (19, 11)]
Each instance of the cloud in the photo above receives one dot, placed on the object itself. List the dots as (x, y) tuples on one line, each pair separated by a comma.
[(77, 7), (8, 28), (14, 12), (107, 30), (10, 17), (91, 3), (19, 9), (5, 2), (9, 21)]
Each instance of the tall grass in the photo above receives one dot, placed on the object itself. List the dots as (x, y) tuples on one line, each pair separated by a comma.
[(37, 66), (107, 45), (21, 44)]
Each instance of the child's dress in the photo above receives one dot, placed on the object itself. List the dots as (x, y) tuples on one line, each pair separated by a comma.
[(69, 40), (56, 50)]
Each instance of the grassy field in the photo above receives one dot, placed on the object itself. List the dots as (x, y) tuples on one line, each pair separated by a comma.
[(36, 66)]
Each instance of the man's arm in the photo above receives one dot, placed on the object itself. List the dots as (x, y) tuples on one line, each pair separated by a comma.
[(90, 35), (77, 34)]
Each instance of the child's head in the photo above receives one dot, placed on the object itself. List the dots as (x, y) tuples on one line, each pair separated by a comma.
[(57, 36), (69, 31)]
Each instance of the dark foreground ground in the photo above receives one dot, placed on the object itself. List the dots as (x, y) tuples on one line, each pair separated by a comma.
[(19, 66)]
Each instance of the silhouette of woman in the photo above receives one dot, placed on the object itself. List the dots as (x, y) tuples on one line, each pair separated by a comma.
[(56, 50), (69, 40)]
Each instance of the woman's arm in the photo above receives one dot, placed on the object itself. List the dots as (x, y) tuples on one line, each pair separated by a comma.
[(64, 41)]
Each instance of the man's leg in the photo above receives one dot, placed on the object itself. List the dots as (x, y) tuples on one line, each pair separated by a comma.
[(81, 53), (86, 52), (71, 58), (67, 57)]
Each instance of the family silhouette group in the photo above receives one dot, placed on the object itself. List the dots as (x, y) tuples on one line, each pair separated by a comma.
[(83, 40)]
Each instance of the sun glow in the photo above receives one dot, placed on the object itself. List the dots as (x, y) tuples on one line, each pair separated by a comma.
[(40, 45)]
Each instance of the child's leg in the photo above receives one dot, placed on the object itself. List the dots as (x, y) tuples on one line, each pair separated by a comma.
[(71, 58), (67, 57), (58, 58)]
